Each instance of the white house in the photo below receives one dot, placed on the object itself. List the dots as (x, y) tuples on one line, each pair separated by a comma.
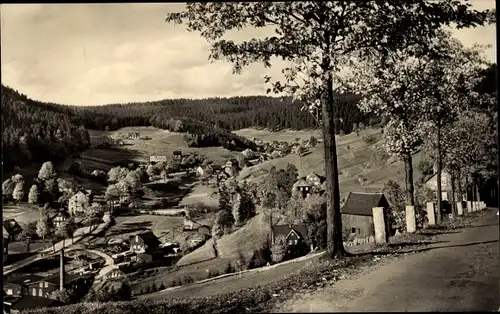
[(79, 202)]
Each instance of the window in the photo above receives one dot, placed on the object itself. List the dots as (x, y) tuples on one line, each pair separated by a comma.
[(40, 292), (46, 285), (34, 292), (41, 284), (353, 230)]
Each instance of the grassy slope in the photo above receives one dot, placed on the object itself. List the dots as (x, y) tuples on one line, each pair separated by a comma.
[(354, 157)]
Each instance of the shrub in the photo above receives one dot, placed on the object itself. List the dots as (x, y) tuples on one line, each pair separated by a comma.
[(153, 287), (188, 279), (162, 286), (229, 268)]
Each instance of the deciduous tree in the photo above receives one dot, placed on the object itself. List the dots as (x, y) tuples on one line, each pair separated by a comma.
[(43, 226), (314, 37), (47, 171), (33, 194), (18, 193)]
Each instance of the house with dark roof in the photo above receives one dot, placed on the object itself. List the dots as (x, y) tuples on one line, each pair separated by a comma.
[(11, 229), (18, 286), (294, 234), (315, 179), (144, 242), (59, 218), (16, 305), (177, 154), (301, 186), (45, 286), (357, 214)]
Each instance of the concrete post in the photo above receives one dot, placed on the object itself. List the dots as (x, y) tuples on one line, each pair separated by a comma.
[(411, 222), (379, 224), (469, 207), (431, 215), (460, 209), (61, 269)]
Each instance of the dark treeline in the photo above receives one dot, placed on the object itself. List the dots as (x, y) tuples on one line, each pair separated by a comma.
[(35, 132), (227, 113)]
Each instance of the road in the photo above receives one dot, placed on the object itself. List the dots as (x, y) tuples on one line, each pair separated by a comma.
[(459, 273), (79, 234), (238, 281)]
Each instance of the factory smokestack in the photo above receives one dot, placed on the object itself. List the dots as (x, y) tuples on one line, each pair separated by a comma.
[(61, 269)]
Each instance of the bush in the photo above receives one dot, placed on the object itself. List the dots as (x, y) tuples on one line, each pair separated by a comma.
[(188, 279), (229, 268), (369, 139)]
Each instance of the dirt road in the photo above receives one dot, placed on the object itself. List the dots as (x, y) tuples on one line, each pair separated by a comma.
[(459, 273)]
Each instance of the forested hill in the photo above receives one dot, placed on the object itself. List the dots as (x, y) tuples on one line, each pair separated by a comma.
[(33, 131), (228, 113)]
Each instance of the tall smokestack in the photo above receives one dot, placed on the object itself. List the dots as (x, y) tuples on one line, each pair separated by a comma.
[(61, 269)]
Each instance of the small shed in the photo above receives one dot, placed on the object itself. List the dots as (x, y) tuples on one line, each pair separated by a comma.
[(357, 213), (294, 234)]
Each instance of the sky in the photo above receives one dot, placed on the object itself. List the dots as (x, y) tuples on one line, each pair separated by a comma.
[(95, 54)]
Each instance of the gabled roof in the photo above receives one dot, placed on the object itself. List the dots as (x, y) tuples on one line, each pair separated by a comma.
[(11, 227), (362, 204), (321, 178), (301, 183), (285, 230), (68, 278), (149, 238), (23, 280)]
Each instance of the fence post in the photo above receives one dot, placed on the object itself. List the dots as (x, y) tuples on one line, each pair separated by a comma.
[(460, 209), (379, 224), (431, 215), (411, 223)]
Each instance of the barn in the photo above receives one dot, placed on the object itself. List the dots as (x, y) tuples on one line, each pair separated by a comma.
[(357, 214)]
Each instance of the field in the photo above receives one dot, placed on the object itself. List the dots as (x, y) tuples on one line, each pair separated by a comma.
[(166, 228), (201, 194), (285, 135), (24, 213), (163, 143), (357, 160)]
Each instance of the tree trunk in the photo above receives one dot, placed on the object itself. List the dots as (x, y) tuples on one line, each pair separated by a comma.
[(27, 246), (410, 190), (271, 225), (453, 200), (438, 177), (335, 244), (460, 191)]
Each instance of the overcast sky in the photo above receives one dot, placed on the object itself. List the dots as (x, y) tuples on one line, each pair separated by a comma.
[(114, 53)]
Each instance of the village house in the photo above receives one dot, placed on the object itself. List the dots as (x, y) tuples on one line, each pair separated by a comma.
[(11, 229), (222, 177), (115, 273), (134, 135), (315, 180), (200, 171), (79, 202), (144, 242), (446, 189), (177, 154), (357, 215), (231, 167), (59, 218), (294, 234), (18, 286), (44, 287), (302, 187), (156, 159)]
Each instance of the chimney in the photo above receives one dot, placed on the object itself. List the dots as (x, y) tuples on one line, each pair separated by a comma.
[(61, 269)]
